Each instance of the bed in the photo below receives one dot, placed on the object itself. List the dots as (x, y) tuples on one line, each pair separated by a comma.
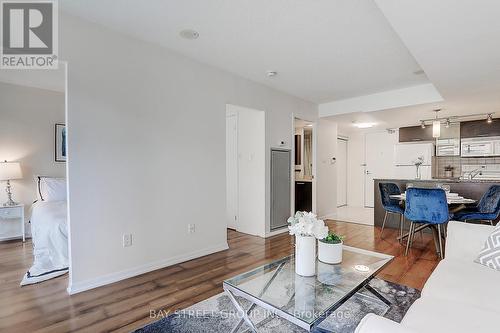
[(49, 231)]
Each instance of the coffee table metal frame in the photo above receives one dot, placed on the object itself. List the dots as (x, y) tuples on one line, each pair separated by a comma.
[(233, 291)]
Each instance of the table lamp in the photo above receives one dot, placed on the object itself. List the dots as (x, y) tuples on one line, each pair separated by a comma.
[(10, 171)]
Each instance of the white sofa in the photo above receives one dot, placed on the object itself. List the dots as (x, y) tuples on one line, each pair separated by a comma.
[(459, 296)]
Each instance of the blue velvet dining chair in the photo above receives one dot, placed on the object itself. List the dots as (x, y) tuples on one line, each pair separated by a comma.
[(391, 206), (487, 209), (429, 207)]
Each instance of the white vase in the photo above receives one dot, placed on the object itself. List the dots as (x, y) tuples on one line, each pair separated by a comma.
[(305, 255), (330, 253)]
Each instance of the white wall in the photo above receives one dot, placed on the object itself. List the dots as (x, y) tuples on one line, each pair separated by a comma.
[(147, 151), (326, 171), (27, 120)]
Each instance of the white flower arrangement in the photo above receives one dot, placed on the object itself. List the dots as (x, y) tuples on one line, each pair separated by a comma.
[(306, 224)]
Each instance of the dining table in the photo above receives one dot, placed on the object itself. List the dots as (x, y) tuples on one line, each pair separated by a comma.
[(456, 203)]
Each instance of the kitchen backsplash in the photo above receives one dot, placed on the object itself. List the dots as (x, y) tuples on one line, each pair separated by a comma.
[(440, 162)]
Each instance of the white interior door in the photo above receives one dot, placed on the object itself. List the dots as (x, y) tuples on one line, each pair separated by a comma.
[(379, 160), (341, 172), (231, 170)]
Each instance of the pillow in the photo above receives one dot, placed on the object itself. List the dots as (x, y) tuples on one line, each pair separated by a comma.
[(490, 254), (51, 189)]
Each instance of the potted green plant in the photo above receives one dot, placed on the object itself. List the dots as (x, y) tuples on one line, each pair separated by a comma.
[(330, 248)]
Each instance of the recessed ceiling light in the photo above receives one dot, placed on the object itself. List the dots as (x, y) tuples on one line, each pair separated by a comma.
[(271, 73), (189, 34), (363, 125)]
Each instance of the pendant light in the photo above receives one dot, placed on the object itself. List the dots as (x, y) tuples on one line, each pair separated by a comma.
[(436, 126)]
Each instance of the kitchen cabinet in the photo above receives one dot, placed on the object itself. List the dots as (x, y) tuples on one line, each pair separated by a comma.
[(303, 196), (415, 134), (479, 128)]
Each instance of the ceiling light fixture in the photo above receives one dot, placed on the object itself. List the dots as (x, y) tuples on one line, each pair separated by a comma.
[(271, 73), (436, 121), (189, 34), (436, 125), (363, 125), (489, 120)]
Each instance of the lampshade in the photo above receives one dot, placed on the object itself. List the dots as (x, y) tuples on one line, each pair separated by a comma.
[(10, 170), (436, 129)]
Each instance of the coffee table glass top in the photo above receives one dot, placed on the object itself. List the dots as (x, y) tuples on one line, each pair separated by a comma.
[(308, 299)]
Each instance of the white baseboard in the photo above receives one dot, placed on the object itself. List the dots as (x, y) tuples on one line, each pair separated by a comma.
[(276, 232), (331, 216), (78, 287)]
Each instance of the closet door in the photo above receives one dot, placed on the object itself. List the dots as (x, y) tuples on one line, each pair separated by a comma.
[(280, 187)]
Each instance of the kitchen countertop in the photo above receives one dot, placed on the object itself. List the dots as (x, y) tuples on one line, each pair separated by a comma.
[(303, 180), (442, 180)]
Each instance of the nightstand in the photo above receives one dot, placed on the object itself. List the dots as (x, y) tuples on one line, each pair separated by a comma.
[(12, 222)]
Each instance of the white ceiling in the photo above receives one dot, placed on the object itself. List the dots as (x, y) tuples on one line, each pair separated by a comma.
[(323, 49), (457, 43), (35, 78)]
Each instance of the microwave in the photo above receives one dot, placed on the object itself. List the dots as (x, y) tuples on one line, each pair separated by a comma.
[(448, 147), (480, 147)]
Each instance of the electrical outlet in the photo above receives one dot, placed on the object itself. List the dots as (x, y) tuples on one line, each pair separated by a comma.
[(191, 228), (127, 240)]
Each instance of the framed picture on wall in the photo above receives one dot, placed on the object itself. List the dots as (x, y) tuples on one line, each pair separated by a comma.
[(60, 140)]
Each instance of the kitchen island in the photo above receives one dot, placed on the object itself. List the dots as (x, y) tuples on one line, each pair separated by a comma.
[(471, 189)]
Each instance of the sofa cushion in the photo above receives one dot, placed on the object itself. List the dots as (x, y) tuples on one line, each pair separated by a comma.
[(372, 323), (465, 283), (465, 240), (490, 253), (431, 315)]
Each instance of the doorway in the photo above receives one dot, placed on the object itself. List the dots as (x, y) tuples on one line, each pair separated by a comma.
[(304, 166), (245, 170), (342, 172), (379, 160), (231, 169)]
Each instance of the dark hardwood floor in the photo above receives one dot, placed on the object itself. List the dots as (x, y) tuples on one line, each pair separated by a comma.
[(125, 305)]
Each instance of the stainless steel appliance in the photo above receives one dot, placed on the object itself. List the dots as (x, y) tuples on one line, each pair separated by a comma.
[(448, 147), (407, 154), (481, 147)]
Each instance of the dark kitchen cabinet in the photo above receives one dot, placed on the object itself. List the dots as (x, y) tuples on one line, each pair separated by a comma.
[(415, 134), (479, 128), (303, 196)]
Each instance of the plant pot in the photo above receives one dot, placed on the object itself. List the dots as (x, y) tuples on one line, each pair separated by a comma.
[(330, 253), (305, 255)]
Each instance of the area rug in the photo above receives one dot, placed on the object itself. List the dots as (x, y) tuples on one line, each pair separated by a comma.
[(218, 315)]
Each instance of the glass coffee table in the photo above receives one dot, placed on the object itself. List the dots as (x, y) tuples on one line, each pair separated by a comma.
[(305, 301)]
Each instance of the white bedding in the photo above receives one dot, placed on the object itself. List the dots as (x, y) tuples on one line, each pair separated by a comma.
[(49, 231)]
